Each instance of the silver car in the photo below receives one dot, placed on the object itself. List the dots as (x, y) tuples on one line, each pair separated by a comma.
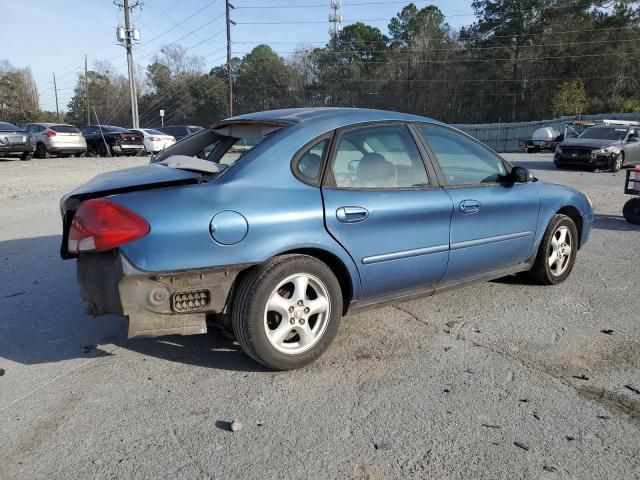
[(59, 139)]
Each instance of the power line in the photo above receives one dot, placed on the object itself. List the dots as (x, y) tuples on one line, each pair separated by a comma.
[(453, 48)]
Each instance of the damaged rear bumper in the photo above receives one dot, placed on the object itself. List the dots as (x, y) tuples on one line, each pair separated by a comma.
[(156, 304)]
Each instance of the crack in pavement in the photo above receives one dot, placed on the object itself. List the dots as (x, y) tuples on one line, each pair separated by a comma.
[(410, 314)]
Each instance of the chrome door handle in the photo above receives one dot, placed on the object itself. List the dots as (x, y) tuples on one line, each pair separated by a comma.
[(352, 214), (470, 206)]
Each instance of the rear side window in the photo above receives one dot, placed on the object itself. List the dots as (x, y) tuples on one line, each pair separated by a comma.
[(64, 129), (462, 160), (378, 157), (308, 166)]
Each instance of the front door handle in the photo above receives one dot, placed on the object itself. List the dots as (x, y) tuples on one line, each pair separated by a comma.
[(352, 214), (469, 206)]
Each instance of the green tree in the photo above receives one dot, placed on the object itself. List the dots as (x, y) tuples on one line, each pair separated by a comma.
[(263, 81), (570, 99)]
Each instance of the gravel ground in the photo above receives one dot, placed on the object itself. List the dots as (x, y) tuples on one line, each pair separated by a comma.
[(500, 380)]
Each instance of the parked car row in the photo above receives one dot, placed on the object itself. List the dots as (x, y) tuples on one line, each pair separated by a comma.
[(42, 140)]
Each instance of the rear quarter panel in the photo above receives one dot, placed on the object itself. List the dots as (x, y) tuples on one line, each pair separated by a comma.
[(282, 213)]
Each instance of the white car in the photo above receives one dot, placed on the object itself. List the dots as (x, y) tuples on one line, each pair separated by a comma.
[(154, 140)]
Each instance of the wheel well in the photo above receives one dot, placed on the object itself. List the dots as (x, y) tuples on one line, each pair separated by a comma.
[(337, 267), (574, 214)]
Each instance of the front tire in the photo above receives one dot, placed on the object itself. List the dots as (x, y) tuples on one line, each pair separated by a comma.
[(287, 311), (631, 211), (26, 156), (617, 163), (557, 251)]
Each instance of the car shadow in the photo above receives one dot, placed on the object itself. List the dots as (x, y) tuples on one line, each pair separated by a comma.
[(614, 222), (42, 318)]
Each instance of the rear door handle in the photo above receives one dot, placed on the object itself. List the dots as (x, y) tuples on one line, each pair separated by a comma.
[(352, 214), (470, 206)]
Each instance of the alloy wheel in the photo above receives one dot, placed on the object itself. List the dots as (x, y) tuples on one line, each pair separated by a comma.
[(297, 313), (560, 251)]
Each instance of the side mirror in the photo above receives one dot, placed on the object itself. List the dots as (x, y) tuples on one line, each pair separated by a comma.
[(634, 138), (521, 175)]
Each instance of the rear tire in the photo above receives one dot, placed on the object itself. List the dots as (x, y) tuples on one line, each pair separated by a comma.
[(104, 150), (631, 211), (557, 252), (41, 151), (297, 286)]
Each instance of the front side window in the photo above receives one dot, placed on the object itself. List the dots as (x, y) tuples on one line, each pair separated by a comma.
[(378, 157), (462, 160)]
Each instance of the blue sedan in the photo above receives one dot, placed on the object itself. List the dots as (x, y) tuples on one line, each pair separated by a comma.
[(276, 224)]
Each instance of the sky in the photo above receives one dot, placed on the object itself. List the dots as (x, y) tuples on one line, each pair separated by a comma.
[(53, 36)]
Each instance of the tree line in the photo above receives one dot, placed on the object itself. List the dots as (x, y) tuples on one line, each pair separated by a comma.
[(520, 60)]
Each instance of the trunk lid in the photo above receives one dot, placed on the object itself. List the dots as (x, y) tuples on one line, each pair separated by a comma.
[(131, 138), (122, 181)]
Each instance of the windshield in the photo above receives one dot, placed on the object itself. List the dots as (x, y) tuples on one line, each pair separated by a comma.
[(224, 146), (605, 133)]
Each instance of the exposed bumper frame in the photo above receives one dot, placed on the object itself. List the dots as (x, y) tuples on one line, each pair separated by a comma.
[(110, 284)]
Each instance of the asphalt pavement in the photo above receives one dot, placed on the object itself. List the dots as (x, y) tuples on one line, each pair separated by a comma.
[(505, 379)]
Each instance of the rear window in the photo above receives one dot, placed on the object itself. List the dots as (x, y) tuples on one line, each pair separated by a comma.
[(8, 127), (174, 130), (195, 129), (64, 129), (151, 131), (225, 145), (109, 128)]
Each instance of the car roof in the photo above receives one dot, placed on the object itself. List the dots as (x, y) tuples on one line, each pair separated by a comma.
[(344, 116), (48, 124)]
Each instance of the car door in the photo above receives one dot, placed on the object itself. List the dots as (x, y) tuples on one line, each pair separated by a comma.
[(493, 224), (631, 147), (90, 133), (386, 210)]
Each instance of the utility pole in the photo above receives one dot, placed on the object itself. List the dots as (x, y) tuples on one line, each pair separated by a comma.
[(230, 22), (55, 89), (335, 18), (86, 93), (126, 37)]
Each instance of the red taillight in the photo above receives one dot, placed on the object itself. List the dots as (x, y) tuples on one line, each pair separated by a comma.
[(49, 133), (101, 224)]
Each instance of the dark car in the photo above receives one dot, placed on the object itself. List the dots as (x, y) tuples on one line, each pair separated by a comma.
[(601, 147), (15, 141), (112, 141), (180, 131)]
